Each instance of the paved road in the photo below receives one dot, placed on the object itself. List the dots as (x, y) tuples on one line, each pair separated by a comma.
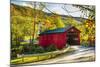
[(79, 55)]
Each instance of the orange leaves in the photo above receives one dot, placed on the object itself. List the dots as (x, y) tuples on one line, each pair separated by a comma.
[(47, 23), (90, 22)]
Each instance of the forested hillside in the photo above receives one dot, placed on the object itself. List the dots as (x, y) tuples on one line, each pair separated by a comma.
[(26, 22)]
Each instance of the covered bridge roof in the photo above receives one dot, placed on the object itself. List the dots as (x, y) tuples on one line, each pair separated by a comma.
[(58, 30)]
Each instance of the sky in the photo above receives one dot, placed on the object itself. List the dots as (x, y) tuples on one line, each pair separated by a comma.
[(56, 7)]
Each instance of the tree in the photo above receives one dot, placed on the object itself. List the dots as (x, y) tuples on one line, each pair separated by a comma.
[(87, 10)]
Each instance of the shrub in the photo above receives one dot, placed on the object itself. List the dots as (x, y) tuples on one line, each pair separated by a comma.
[(50, 48)]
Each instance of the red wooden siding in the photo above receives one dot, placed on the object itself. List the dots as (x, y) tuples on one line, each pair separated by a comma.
[(57, 39), (73, 29), (75, 33)]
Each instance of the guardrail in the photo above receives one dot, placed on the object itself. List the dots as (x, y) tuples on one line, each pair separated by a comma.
[(38, 57)]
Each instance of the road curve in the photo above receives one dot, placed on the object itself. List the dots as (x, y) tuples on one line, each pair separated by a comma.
[(81, 54)]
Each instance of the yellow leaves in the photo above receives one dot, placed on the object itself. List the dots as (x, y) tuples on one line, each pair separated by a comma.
[(56, 23), (52, 22), (27, 37), (72, 21), (53, 27), (47, 23), (36, 28), (88, 29), (89, 22), (86, 25), (36, 31), (85, 37), (59, 23)]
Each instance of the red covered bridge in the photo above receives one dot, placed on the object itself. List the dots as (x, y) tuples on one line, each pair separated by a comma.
[(59, 37)]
